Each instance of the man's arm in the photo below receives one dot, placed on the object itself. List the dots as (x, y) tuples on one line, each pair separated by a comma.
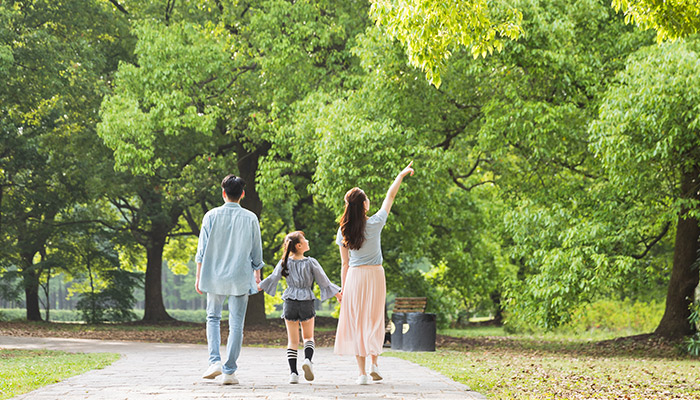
[(256, 250), (196, 282), (201, 247)]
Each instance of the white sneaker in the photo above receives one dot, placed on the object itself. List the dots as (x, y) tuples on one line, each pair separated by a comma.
[(308, 368), (213, 371), (293, 378), (375, 373), (230, 379), (362, 380)]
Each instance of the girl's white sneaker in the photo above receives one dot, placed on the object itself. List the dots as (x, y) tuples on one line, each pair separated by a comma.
[(375, 373), (308, 368), (363, 380), (293, 378)]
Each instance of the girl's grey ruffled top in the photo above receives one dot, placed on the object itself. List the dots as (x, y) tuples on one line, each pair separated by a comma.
[(302, 274)]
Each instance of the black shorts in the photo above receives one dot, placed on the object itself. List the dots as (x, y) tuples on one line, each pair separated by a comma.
[(298, 310)]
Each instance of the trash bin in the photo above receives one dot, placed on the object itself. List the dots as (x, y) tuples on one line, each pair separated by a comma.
[(419, 332), (398, 319)]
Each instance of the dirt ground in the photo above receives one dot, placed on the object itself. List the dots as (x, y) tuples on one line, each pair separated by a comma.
[(273, 333)]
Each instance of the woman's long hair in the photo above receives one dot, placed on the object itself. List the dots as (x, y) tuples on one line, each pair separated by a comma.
[(290, 243), (354, 219)]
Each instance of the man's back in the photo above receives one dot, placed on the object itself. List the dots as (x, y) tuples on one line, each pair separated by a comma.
[(229, 249)]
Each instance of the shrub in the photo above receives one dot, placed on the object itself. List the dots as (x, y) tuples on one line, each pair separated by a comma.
[(115, 303), (623, 316), (692, 344)]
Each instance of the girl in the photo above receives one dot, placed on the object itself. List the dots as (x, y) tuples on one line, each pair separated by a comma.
[(361, 322), (300, 272)]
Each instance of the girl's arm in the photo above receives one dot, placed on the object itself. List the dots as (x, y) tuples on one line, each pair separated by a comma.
[(269, 284), (394, 188), (328, 288)]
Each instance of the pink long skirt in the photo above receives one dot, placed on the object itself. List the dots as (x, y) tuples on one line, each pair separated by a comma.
[(361, 322)]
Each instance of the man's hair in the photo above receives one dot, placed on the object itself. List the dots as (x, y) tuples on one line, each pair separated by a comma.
[(233, 186)]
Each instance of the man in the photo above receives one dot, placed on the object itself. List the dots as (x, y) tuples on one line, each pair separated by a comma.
[(229, 259)]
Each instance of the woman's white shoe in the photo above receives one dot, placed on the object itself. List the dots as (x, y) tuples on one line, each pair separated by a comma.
[(363, 380), (375, 373)]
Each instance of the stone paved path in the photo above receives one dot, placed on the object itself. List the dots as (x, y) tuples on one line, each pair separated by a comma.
[(158, 371)]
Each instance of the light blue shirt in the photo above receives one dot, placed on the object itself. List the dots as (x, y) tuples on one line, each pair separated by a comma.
[(371, 251), (230, 249)]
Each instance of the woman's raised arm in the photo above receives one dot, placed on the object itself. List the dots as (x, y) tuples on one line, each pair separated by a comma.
[(394, 188)]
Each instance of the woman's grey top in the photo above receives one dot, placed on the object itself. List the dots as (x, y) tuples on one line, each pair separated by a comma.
[(371, 251), (302, 274)]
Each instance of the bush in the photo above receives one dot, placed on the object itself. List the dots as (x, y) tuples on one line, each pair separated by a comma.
[(692, 344), (115, 303), (625, 317)]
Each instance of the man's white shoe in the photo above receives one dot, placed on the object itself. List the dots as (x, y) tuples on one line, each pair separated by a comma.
[(293, 378), (230, 379), (363, 380), (308, 368), (375, 373), (213, 371)]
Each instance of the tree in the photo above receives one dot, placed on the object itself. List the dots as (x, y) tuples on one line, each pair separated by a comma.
[(671, 20), (52, 61), (647, 139), (209, 86), (432, 30), (164, 124)]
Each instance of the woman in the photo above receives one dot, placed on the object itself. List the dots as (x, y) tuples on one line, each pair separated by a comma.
[(361, 322)]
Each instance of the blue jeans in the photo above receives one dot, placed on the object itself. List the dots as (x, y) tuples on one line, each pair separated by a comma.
[(236, 307)]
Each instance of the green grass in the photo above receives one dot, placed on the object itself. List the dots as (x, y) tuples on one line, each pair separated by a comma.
[(526, 368), (473, 332), (589, 335), (22, 371)]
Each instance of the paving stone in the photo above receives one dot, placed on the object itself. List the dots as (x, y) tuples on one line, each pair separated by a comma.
[(160, 371)]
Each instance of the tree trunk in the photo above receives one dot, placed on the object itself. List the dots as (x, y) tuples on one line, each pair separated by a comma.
[(247, 168), (154, 309), (31, 288), (684, 275)]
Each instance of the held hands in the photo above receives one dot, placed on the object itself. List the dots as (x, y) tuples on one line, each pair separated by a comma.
[(257, 278), (339, 296)]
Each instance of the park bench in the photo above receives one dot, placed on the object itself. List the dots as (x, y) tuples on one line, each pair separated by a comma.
[(410, 304)]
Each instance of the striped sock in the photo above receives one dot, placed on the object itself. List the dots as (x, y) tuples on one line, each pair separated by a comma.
[(309, 347), (292, 359)]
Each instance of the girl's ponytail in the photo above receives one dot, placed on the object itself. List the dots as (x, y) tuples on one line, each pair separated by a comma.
[(290, 243)]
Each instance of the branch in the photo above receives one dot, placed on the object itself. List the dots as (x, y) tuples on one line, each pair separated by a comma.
[(119, 7), (573, 168), (241, 71), (168, 10), (456, 178), (191, 222), (272, 246), (183, 234), (451, 134), (653, 242)]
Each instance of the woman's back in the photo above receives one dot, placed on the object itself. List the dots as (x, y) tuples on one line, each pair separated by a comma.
[(371, 251)]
